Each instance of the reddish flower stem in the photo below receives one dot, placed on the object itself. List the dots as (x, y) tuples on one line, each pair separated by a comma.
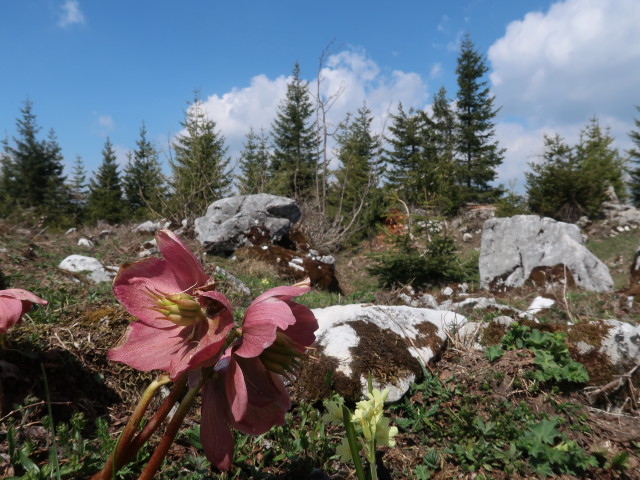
[(153, 465), (122, 447), (162, 412)]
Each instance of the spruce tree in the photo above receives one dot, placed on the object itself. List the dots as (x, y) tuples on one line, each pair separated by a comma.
[(405, 155), (360, 168), (446, 193), (600, 161), (32, 170), (105, 189), (143, 182), (634, 157), (478, 154), (253, 164), (572, 181), (201, 173), (78, 188), (294, 162)]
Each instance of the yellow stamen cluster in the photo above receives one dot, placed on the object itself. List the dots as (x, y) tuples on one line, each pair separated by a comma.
[(179, 308)]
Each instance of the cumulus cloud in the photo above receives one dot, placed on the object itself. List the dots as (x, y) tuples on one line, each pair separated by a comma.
[(350, 75), (70, 14), (580, 58)]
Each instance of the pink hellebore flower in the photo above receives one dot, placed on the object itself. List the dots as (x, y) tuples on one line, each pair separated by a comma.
[(246, 390), (182, 323), (14, 303)]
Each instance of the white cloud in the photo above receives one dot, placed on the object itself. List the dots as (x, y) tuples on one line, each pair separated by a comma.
[(580, 58), (351, 72), (105, 122), (436, 70), (70, 14), (554, 71)]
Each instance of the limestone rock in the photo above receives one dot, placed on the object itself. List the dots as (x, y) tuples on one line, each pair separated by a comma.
[(245, 220), (387, 341), (90, 266), (527, 247), (151, 227)]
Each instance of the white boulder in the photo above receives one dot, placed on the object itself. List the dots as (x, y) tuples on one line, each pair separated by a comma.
[(390, 342), (94, 270)]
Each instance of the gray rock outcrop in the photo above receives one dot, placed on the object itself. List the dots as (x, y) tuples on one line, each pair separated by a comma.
[(531, 248), (245, 220)]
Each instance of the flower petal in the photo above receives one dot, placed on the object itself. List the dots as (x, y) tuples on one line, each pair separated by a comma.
[(147, 348), (10, 312), (216, 437), (22, 294), (186, 268), (133, 283), (257, 402), (257, 398), (261, 321), (303, 331), (286, 292)]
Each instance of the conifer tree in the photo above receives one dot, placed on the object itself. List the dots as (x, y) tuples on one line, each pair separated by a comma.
[(78, 188), (601, 161), (105, 200), (201, 173), (446, 193), (295, 141), (405, 155), (571, 182), (634, 157), (253, 164), (32, 170), (360, 168), (478, 153), (143, 182)]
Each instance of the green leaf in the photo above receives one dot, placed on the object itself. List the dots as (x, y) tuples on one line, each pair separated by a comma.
[(493, 353), (353, 443), (545, 431)]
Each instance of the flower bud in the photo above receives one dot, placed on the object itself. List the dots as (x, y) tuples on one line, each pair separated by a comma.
[(283, 356)]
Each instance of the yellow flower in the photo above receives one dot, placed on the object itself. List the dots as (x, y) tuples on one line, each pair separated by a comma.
[(385, 433), (344, 451), (334, 412)]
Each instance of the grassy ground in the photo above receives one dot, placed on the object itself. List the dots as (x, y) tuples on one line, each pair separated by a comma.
[(472, 416)]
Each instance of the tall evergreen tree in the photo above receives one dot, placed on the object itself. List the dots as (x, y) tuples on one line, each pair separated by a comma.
[(405, 155), (201, 173), (478, 154), (634, 157), (32, 169), (445, 193), (78, 188), (105, 200), (600, 160), (295, 141), (360, 167), (254, 164), (143, 182)]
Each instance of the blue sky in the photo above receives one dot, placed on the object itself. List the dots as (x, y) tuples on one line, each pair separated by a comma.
[(95, 68)]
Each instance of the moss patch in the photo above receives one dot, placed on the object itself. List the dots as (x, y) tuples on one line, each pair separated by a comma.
[(382, 353), (319, 378), (492, 334), (428, 337)]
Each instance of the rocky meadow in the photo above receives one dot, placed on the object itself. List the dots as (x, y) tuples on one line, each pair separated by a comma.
[(519, 371)]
